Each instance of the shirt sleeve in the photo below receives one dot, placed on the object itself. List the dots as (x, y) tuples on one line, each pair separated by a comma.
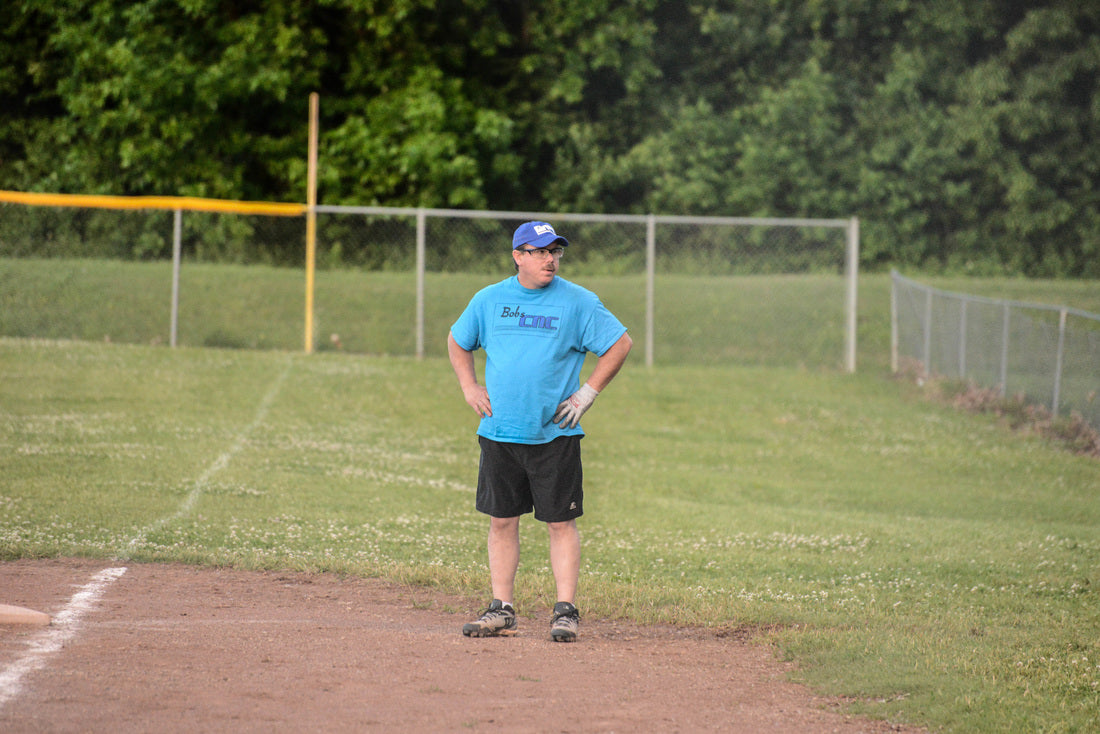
[(467, 329), (602, 330)]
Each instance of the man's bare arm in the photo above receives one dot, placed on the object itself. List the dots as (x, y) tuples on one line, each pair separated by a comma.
[(608, 365), (462, 361)]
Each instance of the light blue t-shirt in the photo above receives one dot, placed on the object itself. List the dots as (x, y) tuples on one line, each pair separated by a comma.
[(535, 342)]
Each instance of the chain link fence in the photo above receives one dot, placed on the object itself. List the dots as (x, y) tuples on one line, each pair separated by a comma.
[(1048, 354), (772, 292), (114, 274), (704, 290)]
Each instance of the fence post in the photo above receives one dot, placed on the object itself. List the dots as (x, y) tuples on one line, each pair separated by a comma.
[(1004, 352), (962, 338), (421, 250), (177, 237), (851, 270), (927, 332), (650, 273), (894, 336), (1058, 363)]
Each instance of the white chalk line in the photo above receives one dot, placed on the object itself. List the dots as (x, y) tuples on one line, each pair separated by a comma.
[(65, 624), (63, 628), (220, 463)]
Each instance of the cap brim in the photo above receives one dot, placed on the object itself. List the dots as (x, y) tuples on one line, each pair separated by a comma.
[(544, 241)]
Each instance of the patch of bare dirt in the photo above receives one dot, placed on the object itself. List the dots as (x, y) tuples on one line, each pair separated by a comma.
[(172, 648)]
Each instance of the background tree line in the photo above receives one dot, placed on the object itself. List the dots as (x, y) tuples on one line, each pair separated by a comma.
[(966, 136)]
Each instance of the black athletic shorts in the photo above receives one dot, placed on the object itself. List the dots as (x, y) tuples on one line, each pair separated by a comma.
[(514, 478)]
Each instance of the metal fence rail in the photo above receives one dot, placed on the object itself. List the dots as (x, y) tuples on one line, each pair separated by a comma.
[(1048, 354)]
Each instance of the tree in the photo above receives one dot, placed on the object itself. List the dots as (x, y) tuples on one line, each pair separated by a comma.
[(964, 135), (158, 96), (1037, 100)]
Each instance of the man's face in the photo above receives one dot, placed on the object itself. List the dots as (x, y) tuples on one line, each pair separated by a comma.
[(537, 266)]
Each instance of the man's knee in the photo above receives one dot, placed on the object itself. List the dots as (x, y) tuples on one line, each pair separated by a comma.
[(503, 525), (564, 529)]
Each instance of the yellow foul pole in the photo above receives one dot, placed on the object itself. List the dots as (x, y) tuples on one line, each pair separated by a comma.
[(311, 218), (170, 203)]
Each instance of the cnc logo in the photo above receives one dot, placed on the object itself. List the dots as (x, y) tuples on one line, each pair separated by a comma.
[(535, 321), (530, 320)]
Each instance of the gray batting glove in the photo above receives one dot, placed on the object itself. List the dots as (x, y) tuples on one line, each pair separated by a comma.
[(571, 409)]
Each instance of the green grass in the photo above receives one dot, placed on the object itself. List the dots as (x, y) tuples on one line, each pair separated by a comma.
[(926, 563)]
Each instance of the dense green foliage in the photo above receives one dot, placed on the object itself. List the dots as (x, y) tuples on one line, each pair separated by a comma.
[(965, 135)]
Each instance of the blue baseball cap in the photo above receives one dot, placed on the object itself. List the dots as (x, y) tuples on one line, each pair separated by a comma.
[(536, 234)]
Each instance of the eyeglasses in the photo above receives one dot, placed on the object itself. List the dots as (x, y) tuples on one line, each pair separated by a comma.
[(542, 253)]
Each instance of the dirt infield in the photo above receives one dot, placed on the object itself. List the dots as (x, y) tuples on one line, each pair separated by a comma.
[(172, 648)]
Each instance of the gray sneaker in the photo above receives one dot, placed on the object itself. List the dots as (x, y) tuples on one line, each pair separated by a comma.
[(498, 619), (564, 623)]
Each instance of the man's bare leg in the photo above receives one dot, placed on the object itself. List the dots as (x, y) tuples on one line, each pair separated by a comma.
[(503, 556), (565, 558)]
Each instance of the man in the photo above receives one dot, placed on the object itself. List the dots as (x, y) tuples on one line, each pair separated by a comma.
[(536, 329)]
